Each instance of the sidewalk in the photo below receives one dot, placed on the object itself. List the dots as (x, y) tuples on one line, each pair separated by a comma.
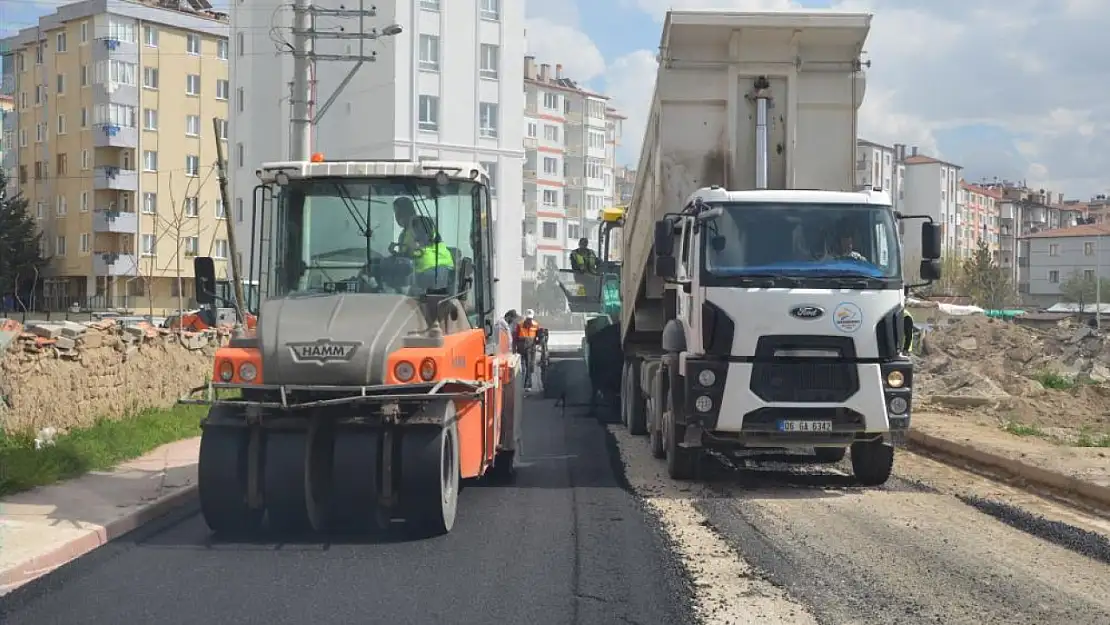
[(44, 528)]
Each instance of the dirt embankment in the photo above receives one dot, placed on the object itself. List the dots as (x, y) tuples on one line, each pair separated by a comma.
[(1058, 379)]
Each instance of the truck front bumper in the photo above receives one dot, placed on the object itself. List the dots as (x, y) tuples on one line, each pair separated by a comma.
[(866, 403)]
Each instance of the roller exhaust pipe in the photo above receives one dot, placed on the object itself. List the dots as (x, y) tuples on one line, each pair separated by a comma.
[(762, 96)]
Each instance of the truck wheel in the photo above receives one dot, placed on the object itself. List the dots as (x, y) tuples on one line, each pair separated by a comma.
[(682, 462), (318, 474), (356, 465), (284, 481), (655, 418), (222, 480), (872, 462), (430, 475), (637, 411), (829, 454)]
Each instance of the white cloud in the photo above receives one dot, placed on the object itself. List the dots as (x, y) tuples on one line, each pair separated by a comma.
[(552, 42)]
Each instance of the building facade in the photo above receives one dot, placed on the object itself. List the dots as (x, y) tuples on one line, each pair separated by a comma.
[(7, 129), (882, 167), (1023, 212), (115, 148), (448, 87), (1059, 255), (978, 212), (570, 147), (932, 188)]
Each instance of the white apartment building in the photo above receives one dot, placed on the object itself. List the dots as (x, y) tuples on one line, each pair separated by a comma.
[(933, 189), (447, 87), (881, 167), (570, 156)]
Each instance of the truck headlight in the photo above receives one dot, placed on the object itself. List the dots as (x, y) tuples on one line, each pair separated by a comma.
[(227, 371), (899, 405), (248, 372), (895, 379), (703, 404), (404, 371), (707, 378)]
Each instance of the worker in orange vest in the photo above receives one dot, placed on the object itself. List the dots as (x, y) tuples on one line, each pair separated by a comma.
[(524, 343)]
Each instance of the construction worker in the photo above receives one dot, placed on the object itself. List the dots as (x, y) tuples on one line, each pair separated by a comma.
[(432, 259), (844, 245), (583, 259), (524, 343), (403, 212)]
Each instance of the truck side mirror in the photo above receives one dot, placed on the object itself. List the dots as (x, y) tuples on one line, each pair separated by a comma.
[(204, 272), (666, 267), (930, 270), (664, 238), (930, 241)]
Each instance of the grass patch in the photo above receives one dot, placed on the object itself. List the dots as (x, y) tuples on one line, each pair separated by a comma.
[(1086, 439), (1020, 429), (105, 444), (1051, 379)]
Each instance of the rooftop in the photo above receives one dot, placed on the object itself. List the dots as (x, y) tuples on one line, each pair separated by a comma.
[(1085, 230), (921, 159)]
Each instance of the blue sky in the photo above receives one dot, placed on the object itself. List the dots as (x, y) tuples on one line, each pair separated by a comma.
[(1012, 89)]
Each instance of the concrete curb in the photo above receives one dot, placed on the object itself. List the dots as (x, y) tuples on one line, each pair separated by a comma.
[(1056, 484), (44, 563)]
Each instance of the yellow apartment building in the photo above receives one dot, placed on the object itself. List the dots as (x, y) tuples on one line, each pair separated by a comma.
[(115, 149)]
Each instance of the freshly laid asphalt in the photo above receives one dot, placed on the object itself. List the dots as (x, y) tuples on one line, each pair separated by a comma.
[(566, 544)]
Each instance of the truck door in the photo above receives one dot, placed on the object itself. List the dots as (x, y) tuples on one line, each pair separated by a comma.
[(685, 275)]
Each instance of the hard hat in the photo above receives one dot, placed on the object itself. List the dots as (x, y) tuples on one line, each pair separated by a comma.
[(529, 313)]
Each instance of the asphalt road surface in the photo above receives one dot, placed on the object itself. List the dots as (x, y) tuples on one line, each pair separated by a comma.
[(565, 545)]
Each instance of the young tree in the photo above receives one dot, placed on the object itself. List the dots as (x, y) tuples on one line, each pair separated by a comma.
[(21, 255), (1082, 290), (983, 281)]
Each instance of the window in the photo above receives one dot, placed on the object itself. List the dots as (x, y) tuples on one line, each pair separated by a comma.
[(84, 36), (117, 72), (241, 95), (491, 10), (531, 129), (550, 165), (150, 160), (239, 209), (22, 138), (550, 197), (1054, 276), (122, 29), (429, 53), (549, 230), (40, 132), (150, 36), (491, 169), (429, 5), (150, 77), (221, 210), (1088, 274), (150, 203), (60, 43), (61, 206), (40, 94), (491, 61), (192, 44), (1088, 249), (191, 246), (84, 159), (573, 231), (551, 133), (221, 49), (40, 210), (84, 243), (223, 89), (487, 120), (551, 101), (192, 165), (61, 84), (150, 119), (192, 207), (240, 44), (219, 249), (223, 129), (84, 75), (240, 154), (38, 54), (60, 246), (192, 84), (61, 163), (61, 124), (192, 125), (429, 113), (148, 245)]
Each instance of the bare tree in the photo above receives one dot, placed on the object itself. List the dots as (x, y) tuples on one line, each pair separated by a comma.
[(982, 280)]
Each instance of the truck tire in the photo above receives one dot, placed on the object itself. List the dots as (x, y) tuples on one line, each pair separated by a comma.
[(637, 411), (284, 482), (655, 417), (872, 462), (429, 490), (222, 479), (829, 455), (682, 462)]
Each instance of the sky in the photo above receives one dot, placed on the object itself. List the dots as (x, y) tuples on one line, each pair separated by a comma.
[(1013, 89)]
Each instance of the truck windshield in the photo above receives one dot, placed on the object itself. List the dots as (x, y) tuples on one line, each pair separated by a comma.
[(375, 235), (803, 240)]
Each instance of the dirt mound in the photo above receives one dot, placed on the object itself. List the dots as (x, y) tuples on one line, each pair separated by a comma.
[(1054, 378)]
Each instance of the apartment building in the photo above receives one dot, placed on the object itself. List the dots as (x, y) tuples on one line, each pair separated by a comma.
[(116, 150), (978, 212), (626, 183), (447, 87), (570, 156), (7, 133), (1023, 212), (932, 188), (882, 167), (1057, 255)]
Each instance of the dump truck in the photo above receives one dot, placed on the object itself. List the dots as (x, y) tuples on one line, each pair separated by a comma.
[(763, 291), (378, 376)]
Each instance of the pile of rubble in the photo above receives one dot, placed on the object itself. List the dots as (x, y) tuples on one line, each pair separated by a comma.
[(973, 361), (67, 374)]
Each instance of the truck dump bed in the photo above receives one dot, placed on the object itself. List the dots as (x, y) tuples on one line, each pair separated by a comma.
[(701, 130)]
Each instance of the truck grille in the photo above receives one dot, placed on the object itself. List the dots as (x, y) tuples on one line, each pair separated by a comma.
[(828, 380)]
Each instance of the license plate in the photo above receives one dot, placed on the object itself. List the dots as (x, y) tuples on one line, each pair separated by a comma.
[(805, 426)]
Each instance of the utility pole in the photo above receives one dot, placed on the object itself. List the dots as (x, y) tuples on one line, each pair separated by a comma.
[(232, 249), (305, 35)]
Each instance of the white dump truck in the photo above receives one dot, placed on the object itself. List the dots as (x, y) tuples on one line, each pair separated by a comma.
[(762, 291)]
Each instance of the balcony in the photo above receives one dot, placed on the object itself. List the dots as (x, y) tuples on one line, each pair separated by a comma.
[(9, 123), (105, 48), (116, 179), (115, 264), (531, 143), (113, 136), (574, 118), (7, 82), (115, 221), (529, 174), (575, 181), (116, 93)]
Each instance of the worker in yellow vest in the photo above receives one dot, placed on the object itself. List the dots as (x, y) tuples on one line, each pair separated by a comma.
[(403, 213), (432, 259)]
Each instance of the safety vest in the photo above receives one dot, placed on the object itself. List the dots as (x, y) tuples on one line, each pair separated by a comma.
[(407, 241), (527, 329), (432, 256), (583, 259)]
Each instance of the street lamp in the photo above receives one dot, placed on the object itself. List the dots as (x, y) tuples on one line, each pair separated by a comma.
[(391, 31)]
